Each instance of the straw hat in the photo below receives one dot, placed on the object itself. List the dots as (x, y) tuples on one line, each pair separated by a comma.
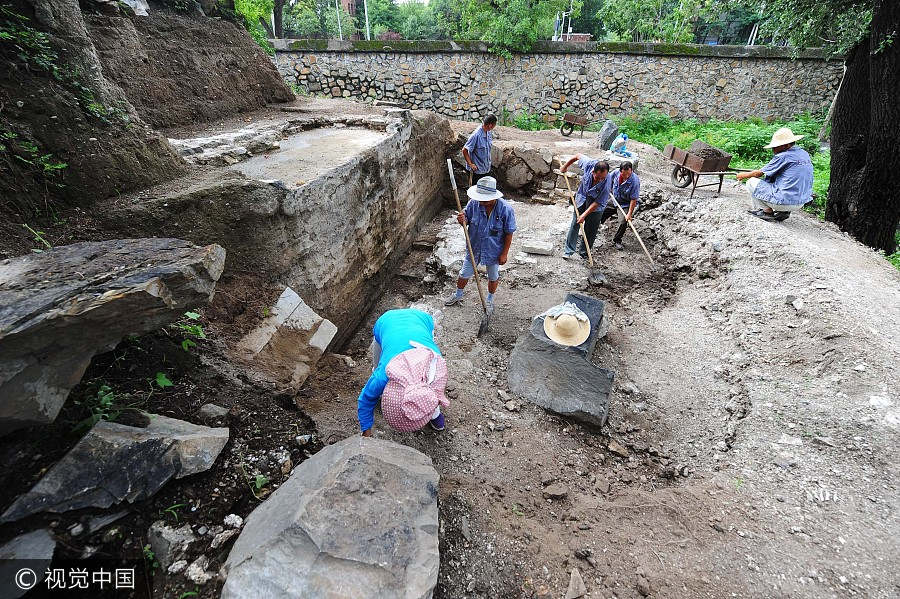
[(567, 329), (783, 137), (485, 190)]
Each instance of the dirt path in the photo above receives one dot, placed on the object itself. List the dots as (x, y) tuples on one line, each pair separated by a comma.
[(755, 396)]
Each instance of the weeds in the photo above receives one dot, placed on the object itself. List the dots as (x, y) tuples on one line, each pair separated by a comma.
[(162, 381), (257, 484), (191, 328), (104, 404), (150, 557), (172, 510), (38, 237)]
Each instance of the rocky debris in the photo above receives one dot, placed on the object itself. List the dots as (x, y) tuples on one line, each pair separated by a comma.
[(30, 550), (62, 306), (607, 134), (563, 379), (555, 491), (289, 342), (617, 448), (197, 573), (212, 413), (169, 544), (540, 247), (222, 538), (358, 519), (114, 463), (576, 583), (233, 521)]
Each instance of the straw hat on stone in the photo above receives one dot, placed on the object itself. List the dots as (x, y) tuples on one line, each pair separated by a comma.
[(567, 329), (783, 137)]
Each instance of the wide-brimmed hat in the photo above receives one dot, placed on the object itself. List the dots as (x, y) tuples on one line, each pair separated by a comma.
[(783, 137), (485, 190), (567, 325), (416, 381)]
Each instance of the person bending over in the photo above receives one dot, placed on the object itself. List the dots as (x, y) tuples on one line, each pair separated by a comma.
[(590, 197)]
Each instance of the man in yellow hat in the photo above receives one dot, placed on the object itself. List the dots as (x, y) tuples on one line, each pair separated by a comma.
[(784, 184)]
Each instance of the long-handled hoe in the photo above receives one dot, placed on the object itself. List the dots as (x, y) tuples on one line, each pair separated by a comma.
[(486, 319)]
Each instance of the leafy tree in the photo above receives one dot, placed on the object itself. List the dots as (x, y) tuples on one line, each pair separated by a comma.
[(511, 25), (417, 21), (447, 18), (864, 195), (384, 15), (651, 20), (589, 20)]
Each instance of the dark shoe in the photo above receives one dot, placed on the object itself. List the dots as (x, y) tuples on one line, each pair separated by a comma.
[(438, 423), (780, 216), (767, 216)]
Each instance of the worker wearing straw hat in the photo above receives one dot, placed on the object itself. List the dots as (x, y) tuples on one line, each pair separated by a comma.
[(784, 184)]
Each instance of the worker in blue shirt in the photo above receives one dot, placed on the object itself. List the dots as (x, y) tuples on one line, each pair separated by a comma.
[(625, 186), (491, 222), (395, 332), (784, 184), (590, 197), (477, 151)]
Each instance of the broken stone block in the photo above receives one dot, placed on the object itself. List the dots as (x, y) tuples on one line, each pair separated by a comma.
[(114, 463), (537, 246), (32, 550), (576, 583), (358, 519), (563, 379), (607, 134), (210, 412), (60, 307), (535, 159), (516, 175), (289, 342), (169, 543)]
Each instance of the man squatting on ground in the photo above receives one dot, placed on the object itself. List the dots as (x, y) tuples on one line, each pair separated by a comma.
[(477, 151), (784, 184), (408, 375), (625, 186), (591, 198), (491, 223)]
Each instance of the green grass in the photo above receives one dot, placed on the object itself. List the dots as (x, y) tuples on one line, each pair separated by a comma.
[(895, 257), (744, 140)]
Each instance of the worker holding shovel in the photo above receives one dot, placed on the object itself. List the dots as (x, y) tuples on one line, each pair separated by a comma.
[(491, 222), (590, 200)]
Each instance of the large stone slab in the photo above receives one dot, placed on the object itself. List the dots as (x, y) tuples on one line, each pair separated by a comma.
[(607, 134), (114, 463), (358, 519), (61, 307), (32, 550), (289, 342), (563, 379)]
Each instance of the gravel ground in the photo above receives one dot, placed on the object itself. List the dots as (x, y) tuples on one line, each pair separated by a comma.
[(754, 417)]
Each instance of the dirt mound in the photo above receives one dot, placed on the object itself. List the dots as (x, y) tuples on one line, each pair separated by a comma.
[(178, 69)]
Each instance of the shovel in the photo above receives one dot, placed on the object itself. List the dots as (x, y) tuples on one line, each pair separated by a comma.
[(486, 319), (640, 241)]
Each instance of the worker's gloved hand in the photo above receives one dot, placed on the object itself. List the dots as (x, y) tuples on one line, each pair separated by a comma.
[(461, 218)]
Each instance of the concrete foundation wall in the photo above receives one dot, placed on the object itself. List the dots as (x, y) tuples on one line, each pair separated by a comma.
[(467, 82), (333, 239)]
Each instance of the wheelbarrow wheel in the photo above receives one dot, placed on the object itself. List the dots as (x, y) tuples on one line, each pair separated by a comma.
[(566, 129), (681, 176)]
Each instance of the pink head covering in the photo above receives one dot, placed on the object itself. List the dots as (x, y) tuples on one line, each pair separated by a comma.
[(416, 381)]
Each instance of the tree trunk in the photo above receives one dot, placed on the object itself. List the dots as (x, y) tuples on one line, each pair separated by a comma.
[(278, 18), (267, 27), (864, 197)]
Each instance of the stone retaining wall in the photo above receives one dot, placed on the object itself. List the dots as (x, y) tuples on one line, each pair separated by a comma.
[(463, 80)]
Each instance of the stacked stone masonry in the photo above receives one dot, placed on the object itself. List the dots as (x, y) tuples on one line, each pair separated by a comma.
[(468, 84)]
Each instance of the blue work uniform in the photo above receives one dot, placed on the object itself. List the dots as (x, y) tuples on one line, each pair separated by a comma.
[(479, 147), (788, 179), (588, 190), (393, 332), (488, 233)]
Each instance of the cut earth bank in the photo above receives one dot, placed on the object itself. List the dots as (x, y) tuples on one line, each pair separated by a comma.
[(748, 448)]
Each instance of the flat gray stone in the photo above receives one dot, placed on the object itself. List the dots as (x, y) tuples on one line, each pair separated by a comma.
[(114, 463), (210, 412), (563, 379), (31, 550), (537, 246), (61, 307), (358, 519)]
